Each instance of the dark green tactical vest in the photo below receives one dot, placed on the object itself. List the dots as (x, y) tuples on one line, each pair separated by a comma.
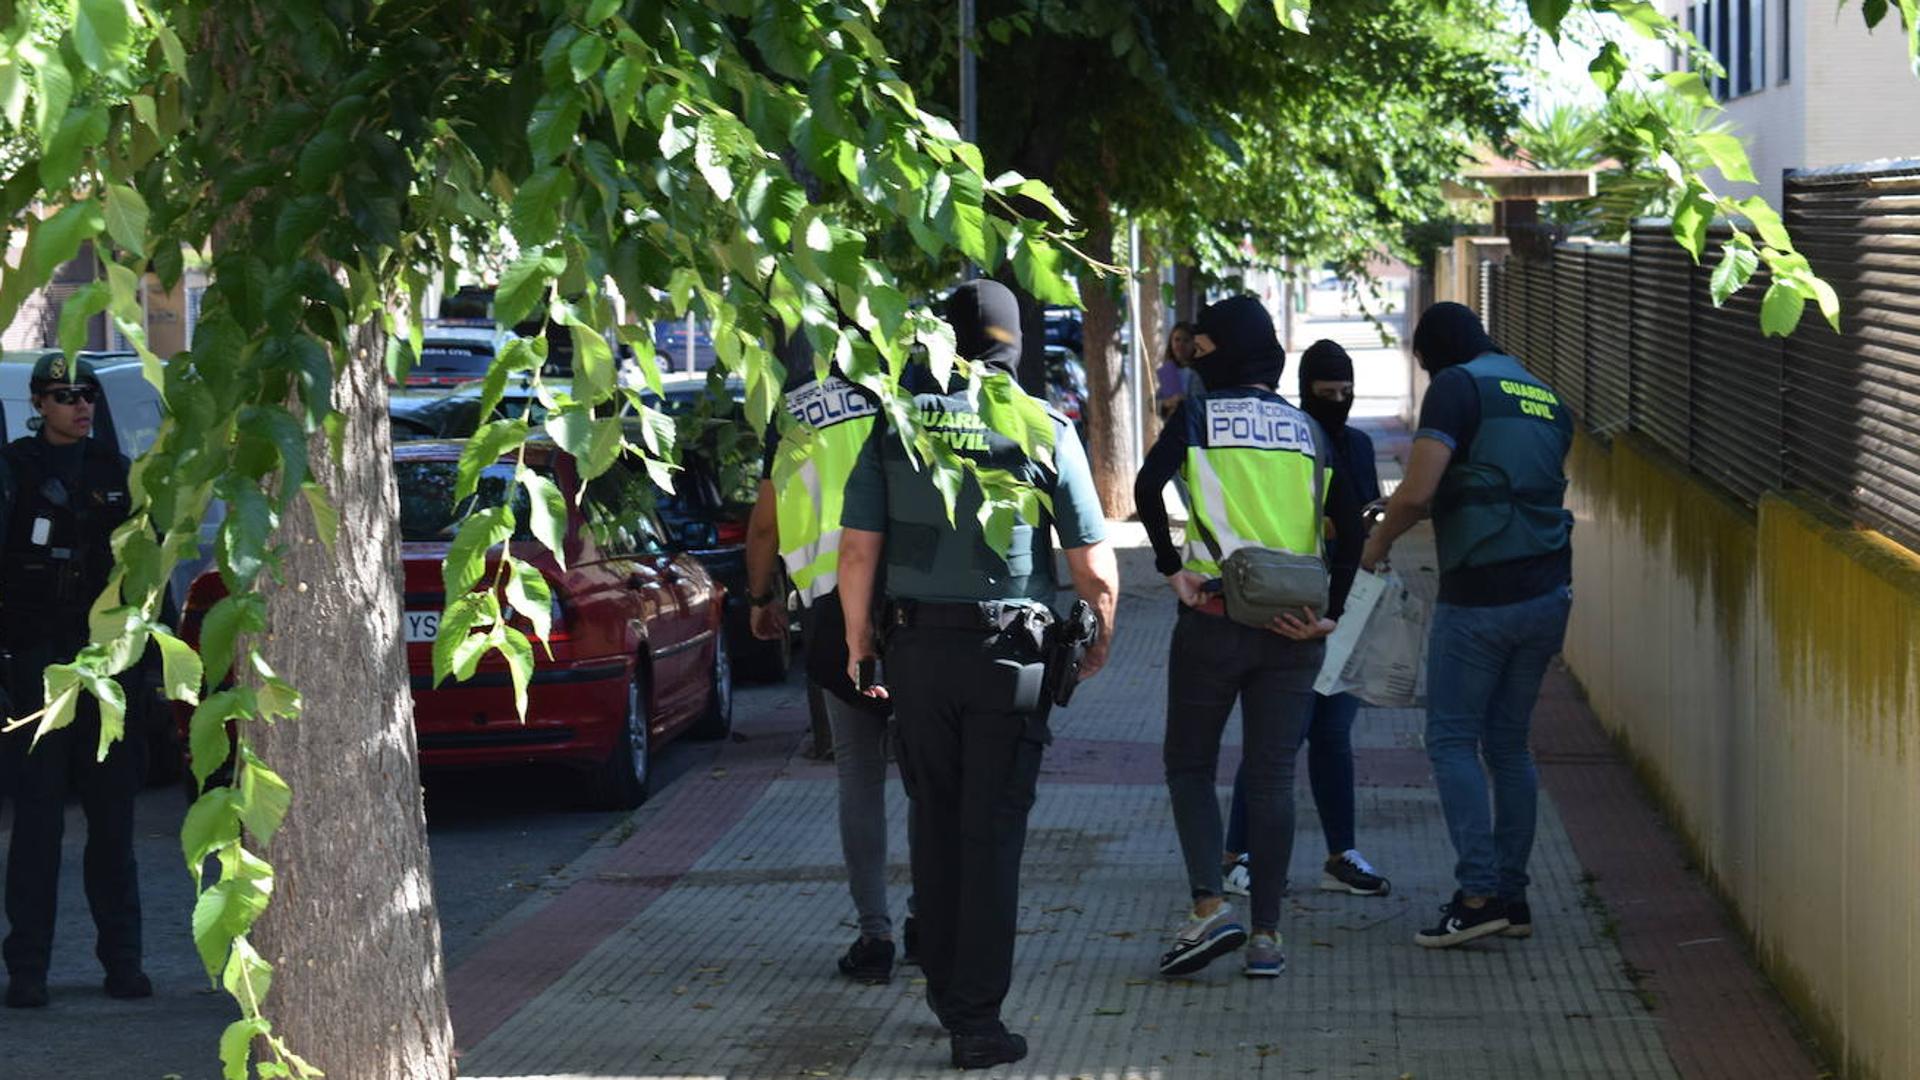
[(1502, 497), (932, 559)]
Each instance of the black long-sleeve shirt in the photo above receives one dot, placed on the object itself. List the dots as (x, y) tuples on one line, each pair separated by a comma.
[(1355, 483)]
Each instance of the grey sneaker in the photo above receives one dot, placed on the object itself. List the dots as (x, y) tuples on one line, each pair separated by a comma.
[(1201, 940), (1263, 957)]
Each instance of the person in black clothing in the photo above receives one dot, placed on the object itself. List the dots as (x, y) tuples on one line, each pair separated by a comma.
[(1326, 394), (61, 495)]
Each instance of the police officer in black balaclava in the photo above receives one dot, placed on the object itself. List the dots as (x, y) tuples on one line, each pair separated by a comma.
[(62, 493), (964, 658)]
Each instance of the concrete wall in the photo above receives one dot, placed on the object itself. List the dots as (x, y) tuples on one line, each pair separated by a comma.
[(1764, 671)]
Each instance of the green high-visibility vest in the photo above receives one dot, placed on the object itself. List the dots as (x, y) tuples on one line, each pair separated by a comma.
[(1256, 471), (832, 420)]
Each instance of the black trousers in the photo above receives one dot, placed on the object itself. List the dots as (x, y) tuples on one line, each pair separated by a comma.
[(41, 780), (970, 765)]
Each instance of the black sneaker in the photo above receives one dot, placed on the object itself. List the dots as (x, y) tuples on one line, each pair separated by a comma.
[(27, 992), (1460, 924), (128, 984), (1519, 920), (910, 942), (986, 1051), (1350, 872), (869, 960)]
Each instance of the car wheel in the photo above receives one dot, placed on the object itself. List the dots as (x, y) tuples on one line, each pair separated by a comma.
[(717, 722), (622, 780)]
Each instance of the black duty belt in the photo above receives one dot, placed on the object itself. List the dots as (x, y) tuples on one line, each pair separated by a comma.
[(984, 615)]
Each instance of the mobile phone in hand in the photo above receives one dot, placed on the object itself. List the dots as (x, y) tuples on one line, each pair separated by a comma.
[(869, 674)]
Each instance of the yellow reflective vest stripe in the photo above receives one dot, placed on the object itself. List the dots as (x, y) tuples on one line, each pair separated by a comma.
[(832, 422)]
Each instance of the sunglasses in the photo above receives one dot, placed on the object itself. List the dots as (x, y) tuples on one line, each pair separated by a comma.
[(73, 395)]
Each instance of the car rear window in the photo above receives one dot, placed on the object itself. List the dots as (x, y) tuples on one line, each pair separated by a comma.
[(428, 511), (461, 358)]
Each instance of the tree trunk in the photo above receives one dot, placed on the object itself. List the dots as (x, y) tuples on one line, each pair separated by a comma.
[(1186, 290), (353, 932), (1113, 390), (1151, 335)]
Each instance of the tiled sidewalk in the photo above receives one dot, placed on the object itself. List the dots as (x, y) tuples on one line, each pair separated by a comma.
[(702, 945)]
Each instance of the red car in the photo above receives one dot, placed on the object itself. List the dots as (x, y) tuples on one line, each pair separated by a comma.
[(639, 649)]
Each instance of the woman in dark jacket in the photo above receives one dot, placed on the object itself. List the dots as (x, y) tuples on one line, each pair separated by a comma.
[(1326, 394)]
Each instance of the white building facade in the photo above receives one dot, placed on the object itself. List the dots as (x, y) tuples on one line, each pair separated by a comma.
[(1807, 84)]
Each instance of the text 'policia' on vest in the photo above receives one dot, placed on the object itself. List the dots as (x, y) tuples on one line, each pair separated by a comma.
[(1257, 469), (1502, 499), (811, 477)]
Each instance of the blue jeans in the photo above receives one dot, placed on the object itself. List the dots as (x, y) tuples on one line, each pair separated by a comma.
[(1484, 669), (1329, 742)]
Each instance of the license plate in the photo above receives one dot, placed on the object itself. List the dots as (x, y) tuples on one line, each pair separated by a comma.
[(423, 625)]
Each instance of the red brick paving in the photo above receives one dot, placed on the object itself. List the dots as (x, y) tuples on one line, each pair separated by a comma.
[(1721, 1018)]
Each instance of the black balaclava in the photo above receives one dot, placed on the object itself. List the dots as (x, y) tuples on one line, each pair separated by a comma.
[(1325, 360), (1450, 334), (1245, 350), (986, 324)]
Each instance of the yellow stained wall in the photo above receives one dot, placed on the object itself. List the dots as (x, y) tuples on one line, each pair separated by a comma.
[(1762, 669)]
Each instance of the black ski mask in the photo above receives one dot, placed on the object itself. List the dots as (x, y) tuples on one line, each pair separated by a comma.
[(1245, 350), (1450, 334), (986, 324), (1326, 361)]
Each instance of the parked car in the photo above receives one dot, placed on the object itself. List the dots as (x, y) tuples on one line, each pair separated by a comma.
[(639, 651), (1067, 386), (449, 360), (127, 415)]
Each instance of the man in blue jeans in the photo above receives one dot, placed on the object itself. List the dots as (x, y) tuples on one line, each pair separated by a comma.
[(1488, 461)]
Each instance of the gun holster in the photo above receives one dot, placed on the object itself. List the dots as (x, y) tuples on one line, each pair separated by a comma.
[(1067, 643)]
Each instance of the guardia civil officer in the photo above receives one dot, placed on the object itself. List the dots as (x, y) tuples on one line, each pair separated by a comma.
[(62, 493), (1258, 472), (797, 519), (963, 660), (1488, 462)]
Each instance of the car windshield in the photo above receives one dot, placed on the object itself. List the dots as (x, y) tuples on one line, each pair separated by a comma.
[(428, 511)]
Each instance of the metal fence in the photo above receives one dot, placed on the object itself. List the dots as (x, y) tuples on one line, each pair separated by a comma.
[(1628, 334)]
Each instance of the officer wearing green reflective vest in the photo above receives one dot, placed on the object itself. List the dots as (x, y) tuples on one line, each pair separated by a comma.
[(1258, 474), (1488, 460), (796, 520), (964, 651), (62, 494)]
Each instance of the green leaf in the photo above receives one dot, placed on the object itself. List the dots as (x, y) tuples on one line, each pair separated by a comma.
[(1738, 261), (85, 302), (60, 689), (600, 11), (1727, 154), (1780, 309), (236, 1045), (326, 519), (248, 976), (524, 284), (518, 653), (556, 120), (536, 206), (53, 91), (300, 220), (264, 799), (13, 94), (211, 822), (585, 56), (1692, 217), (549, 513), (1608, 68), (1766, 221), (1549, 14), (208, 743), (233, 616), (487, 446), (275, 427), (1293, 14), (710, 157), (529, 594), (58, 238), (126, 217), (593, 373), (321, 160), (466, 556), (1037, 264), (457, 621), (180, 670), (226, 909), (102, 34)]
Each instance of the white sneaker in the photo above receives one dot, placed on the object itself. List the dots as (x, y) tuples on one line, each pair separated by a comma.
[(1239, 878)]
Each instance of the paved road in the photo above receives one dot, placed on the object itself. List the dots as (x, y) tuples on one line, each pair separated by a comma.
[(496, 837)]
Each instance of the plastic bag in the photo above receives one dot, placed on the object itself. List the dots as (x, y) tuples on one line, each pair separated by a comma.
[(1378, 653)]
